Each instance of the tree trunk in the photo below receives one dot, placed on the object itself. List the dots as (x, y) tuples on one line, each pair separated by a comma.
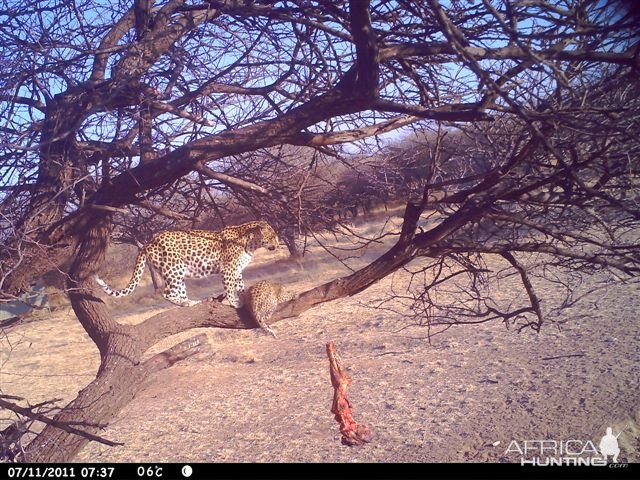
[(289, 239)]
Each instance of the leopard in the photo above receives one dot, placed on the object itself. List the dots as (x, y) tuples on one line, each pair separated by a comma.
[(263, 299), (178, 254)]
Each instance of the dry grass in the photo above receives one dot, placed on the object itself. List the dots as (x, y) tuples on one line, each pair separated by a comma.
[(255, 398)]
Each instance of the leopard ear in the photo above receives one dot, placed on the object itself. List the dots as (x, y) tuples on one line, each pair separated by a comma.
[(253, 233)]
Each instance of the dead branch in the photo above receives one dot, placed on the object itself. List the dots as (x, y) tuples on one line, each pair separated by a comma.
[(28, 412), (229, 180), (563, 356), (182, 350)]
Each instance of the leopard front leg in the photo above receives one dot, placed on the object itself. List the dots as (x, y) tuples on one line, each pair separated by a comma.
[(232, 267), (234, 289), (262, 317)]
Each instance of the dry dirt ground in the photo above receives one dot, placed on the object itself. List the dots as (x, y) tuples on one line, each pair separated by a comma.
[(464, 396)]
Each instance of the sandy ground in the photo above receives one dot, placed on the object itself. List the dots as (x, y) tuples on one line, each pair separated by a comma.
[(464, 396)]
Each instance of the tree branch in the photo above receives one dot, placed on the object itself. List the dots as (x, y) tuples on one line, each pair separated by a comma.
[(229, 180), (346, 136), (364, 38), (533, 298), (180, 351), (512, 52), (26, 412), (163, 211)]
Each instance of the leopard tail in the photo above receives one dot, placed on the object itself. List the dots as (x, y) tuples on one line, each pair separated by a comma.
[(133, 283)]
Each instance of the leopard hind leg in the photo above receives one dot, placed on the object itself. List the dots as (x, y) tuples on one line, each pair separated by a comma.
[(175, 289)]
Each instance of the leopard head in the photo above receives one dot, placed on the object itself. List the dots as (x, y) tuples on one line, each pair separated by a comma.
[(263, 235)]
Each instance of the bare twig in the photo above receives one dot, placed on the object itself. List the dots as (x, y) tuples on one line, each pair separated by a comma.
[(564, 356)]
